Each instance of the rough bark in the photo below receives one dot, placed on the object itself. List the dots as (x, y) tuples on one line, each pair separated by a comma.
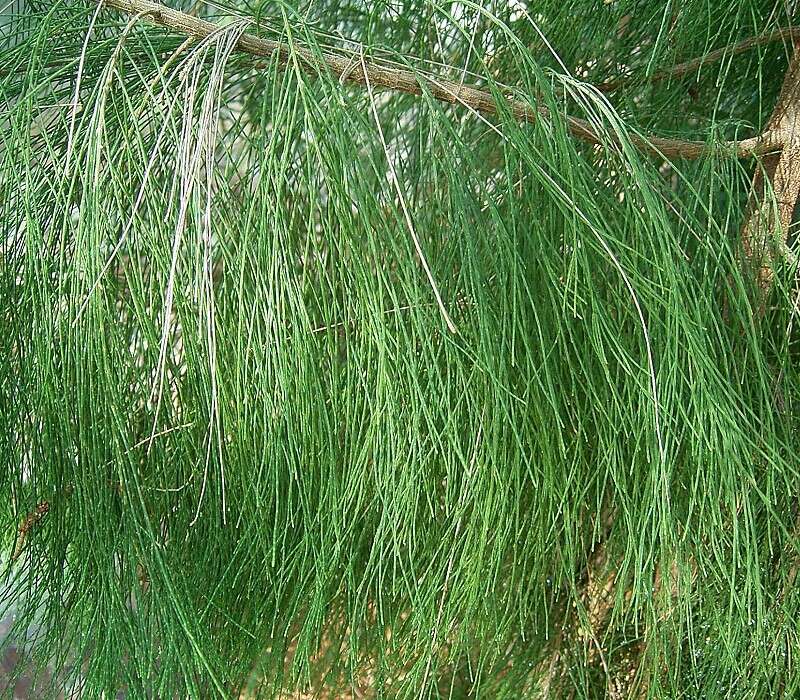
[(766, 226)]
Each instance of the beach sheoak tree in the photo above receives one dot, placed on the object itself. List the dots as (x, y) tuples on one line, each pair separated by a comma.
[(399, 349)]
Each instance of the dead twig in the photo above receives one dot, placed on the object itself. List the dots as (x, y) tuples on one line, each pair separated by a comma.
[(30, 521)]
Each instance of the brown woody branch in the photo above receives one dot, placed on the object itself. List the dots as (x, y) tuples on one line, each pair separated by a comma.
[(783, 34), (347, 70), (766, 226)]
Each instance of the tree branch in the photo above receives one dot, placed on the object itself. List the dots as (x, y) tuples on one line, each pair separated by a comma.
[(413, 83), (766, 224), (783, 34)]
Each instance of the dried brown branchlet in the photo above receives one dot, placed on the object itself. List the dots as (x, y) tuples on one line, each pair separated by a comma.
[(30, 521)]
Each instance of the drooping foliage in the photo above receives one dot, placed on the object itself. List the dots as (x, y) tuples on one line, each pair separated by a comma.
[(335, 390)]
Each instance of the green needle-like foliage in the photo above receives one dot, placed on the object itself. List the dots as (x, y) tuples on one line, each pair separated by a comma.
[(334, 390)]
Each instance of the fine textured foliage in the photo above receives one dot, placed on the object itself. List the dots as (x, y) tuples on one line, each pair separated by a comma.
[(331, 389)]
